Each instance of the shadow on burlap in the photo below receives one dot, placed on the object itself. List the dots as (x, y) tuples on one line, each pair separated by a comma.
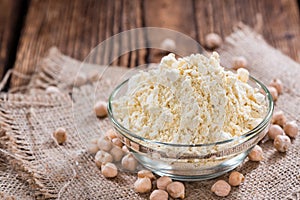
[(68, 171)]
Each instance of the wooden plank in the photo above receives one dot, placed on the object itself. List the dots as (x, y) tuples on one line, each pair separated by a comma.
[(78, 26), (176, 15), (9, 17), (75, 27), (280, 20)]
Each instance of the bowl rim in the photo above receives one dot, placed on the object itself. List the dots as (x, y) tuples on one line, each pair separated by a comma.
[(250, 133)]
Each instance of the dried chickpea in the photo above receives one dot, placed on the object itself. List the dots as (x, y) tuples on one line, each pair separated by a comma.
[(176, 190), (100, 109), (117, 142), (213, 40), (273, 92), (168, 45), (93, 147), (277, 83), (117, 153), (239, 62), (221, 188), (142, 185), (279, 118), (127, 142), (94, 76), (236, 178), (159, 195), (282, 143), (60, 135), (146, 173), (291, 129), (256, 154), (102, 157), (94, 141), (109, 170), (111, 133), (275, 130), (52, 90), (134, 146), (125, 149), (129, 162), (80, 80), (104, 143), (163, 182)]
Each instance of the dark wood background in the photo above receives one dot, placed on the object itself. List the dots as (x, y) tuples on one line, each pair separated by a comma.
[(29, 28)]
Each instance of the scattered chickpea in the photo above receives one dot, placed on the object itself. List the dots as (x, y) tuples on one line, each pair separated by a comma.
[(256, 154), (134, 146), (117, 142), (104, 143), (239, 62), (291, 129), (142, 185), (221, 188), (163, 182), (94, 76), (127, 142), (109, 170), (52, 90), (243, 74), (282, 143), (102, 157), (80, 80), (168, 45), (273, 92), (93, 148), (236, 178), (117, 153), (275, 130), (159, 195), (279, 118), (100, 109), (60, 135), (111, 133), (146, 173), (213, 40), (129, 162), (94, 140), (176, 190), (277, 83), (125, 149)]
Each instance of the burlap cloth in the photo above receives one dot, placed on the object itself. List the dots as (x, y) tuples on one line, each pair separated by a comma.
[(33, 166)]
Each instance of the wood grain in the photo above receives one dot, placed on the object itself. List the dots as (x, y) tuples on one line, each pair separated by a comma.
[(176, 15), (281, 22), (9, 15), (76, 27)]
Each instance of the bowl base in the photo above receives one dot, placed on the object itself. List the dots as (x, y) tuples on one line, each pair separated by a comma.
[(198, 174), (195, 177)]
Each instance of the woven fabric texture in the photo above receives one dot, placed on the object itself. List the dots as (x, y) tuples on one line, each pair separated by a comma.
[(33, 166)]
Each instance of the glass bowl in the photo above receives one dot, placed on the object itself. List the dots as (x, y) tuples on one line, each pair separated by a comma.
[(194, 162)]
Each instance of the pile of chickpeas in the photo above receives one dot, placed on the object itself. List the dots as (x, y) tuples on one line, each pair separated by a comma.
[(109, 149), (163, 186)]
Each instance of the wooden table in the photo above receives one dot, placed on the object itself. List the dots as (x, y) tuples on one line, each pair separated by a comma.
[(29, 28)]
